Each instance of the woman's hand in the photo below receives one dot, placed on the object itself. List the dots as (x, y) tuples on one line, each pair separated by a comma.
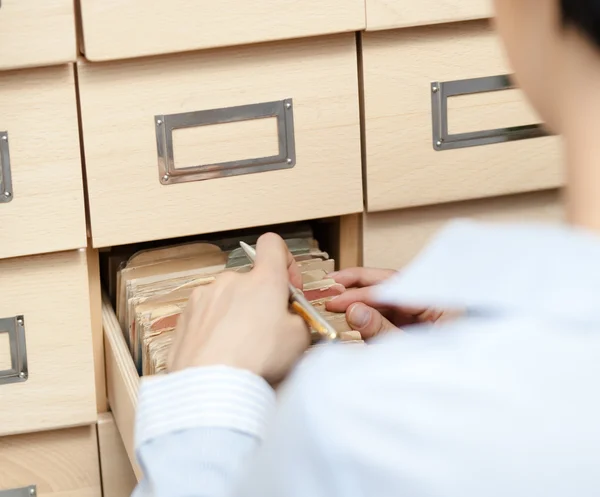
[(364, 314), (243, 320)]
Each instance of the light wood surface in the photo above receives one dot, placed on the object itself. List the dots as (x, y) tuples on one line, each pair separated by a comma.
[(402, 167), (118, 479), (122, 382), (39, 112), (119, 101), (392, 239), (350, 251), (93, 265), (60, 463), (182, 25), (52, 293), (36, 33), (387, 14)]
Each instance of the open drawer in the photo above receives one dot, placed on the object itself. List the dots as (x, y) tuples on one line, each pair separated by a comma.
[(122, 381), (338, 239)]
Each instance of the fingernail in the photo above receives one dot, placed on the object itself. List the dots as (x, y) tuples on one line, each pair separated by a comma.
[(359, 316), (333, 274)]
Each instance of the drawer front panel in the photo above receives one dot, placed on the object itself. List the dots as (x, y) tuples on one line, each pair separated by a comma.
[(118, 478), (46, 361), (37, 33), (217, 140), (41, 198), (60, 463), (436, 131), (392, 239), (183, 25), (389, 14)]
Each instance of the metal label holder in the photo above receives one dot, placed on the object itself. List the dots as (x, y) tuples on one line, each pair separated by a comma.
[(6, 191), (15, 327), (282, 110), (441, 91), (30, 491)]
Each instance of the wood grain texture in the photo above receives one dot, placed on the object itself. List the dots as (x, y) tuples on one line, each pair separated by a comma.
[(39, 112), (118, 478), (119, 101), (52, 293), (392, 239), (402, 167), (183, 25), (388, 14), (122, 382), (60, 463), (350, 243), (37, 33), (93, 266)]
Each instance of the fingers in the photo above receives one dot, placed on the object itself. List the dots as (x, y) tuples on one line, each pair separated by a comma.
[(273, 257), (361, 276), (341, 302), (367, 320)]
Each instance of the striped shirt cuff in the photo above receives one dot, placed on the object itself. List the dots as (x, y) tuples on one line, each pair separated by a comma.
[(206, 397)]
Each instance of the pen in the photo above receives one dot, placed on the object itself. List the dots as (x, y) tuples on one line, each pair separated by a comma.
[(301, 306)]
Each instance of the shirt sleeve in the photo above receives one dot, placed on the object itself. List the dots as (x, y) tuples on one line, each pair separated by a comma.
[(195, 430)]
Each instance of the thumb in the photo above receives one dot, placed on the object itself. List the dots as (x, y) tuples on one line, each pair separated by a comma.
[(367, 320)]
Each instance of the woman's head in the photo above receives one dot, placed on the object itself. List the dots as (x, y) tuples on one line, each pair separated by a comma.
[(550, 44)]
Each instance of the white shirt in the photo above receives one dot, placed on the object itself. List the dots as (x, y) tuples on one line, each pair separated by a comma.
[(503, 402)]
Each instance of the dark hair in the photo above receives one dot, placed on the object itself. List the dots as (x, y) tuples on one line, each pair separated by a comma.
[(583, 15)]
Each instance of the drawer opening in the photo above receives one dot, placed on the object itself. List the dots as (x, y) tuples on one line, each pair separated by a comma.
[(146, 286)]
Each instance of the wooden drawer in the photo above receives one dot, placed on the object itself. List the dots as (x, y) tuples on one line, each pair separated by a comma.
[(404, 165), (339, 238), (183, 25), (45, 334), (37, 33), (58, 463), (41, 187), (387, 14), (122, 382), (118, 478), (392, 239), (126, 105)]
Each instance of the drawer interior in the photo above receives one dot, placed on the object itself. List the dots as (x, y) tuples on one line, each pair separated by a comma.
[(154, 293)]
